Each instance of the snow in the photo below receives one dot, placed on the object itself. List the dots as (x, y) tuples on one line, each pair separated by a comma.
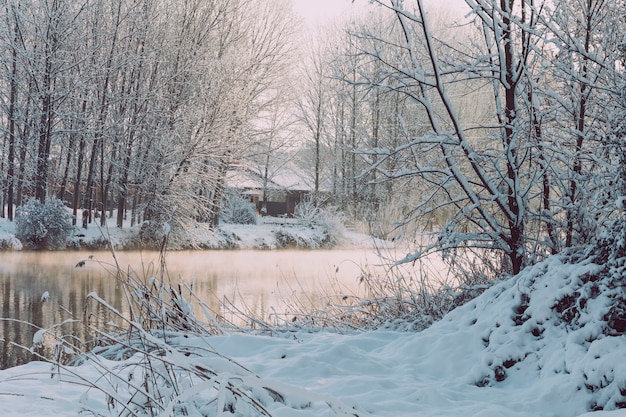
[(38, 337), (521, 349), (7, 235), (263, 235)]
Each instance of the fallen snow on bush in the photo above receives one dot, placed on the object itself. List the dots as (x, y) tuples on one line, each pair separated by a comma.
[(548, 342)]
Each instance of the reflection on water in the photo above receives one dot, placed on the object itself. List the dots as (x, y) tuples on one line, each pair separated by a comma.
[(256, 281)]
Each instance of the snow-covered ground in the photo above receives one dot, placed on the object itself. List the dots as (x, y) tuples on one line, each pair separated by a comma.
[(548, 342), (264, 235)]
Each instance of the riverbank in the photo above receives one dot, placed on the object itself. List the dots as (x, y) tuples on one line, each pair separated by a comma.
[(269, 233)]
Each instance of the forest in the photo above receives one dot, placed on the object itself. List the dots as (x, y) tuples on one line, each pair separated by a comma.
[(500, 129)]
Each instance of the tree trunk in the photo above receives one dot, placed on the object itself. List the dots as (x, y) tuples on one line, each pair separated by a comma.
[(68, 160), (123, 188), (79, 170), (219, 192), (12, 127), (572, 212), (45, 131), (22, 166), (516, 222)]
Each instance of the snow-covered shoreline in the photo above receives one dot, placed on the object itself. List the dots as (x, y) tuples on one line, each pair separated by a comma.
[(268, 234)]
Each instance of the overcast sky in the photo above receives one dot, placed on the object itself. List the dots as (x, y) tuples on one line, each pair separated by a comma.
[(316, 12)]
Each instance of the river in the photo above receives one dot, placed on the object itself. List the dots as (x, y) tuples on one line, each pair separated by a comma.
[(43, 289)]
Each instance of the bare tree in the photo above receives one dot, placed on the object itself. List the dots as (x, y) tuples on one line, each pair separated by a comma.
[(535, 166), (481, 183), (314, 102), (12, 26), (582, 38)]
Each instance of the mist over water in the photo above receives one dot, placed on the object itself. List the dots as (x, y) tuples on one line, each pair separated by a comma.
[(260, 282)]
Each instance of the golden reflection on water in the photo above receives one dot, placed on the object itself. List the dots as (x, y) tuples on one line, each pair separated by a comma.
[(260, 282)]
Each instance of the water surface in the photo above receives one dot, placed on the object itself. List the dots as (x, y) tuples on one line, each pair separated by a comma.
[(44, 289)]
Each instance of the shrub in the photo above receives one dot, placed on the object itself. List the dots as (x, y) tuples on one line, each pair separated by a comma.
[(43, 226), (10, 243), (308, 213), (329, 221), (237, 209), (152, 232)]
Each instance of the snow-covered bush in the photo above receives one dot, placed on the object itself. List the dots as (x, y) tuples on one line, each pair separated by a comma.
[(151, 233), (308, 213), (237, 209), (162, 225), (10, 242), (396, 300), (43, 226), (314, 237), (329, 221)]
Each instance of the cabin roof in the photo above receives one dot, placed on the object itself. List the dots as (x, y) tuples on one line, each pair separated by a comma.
[(288, 178)]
